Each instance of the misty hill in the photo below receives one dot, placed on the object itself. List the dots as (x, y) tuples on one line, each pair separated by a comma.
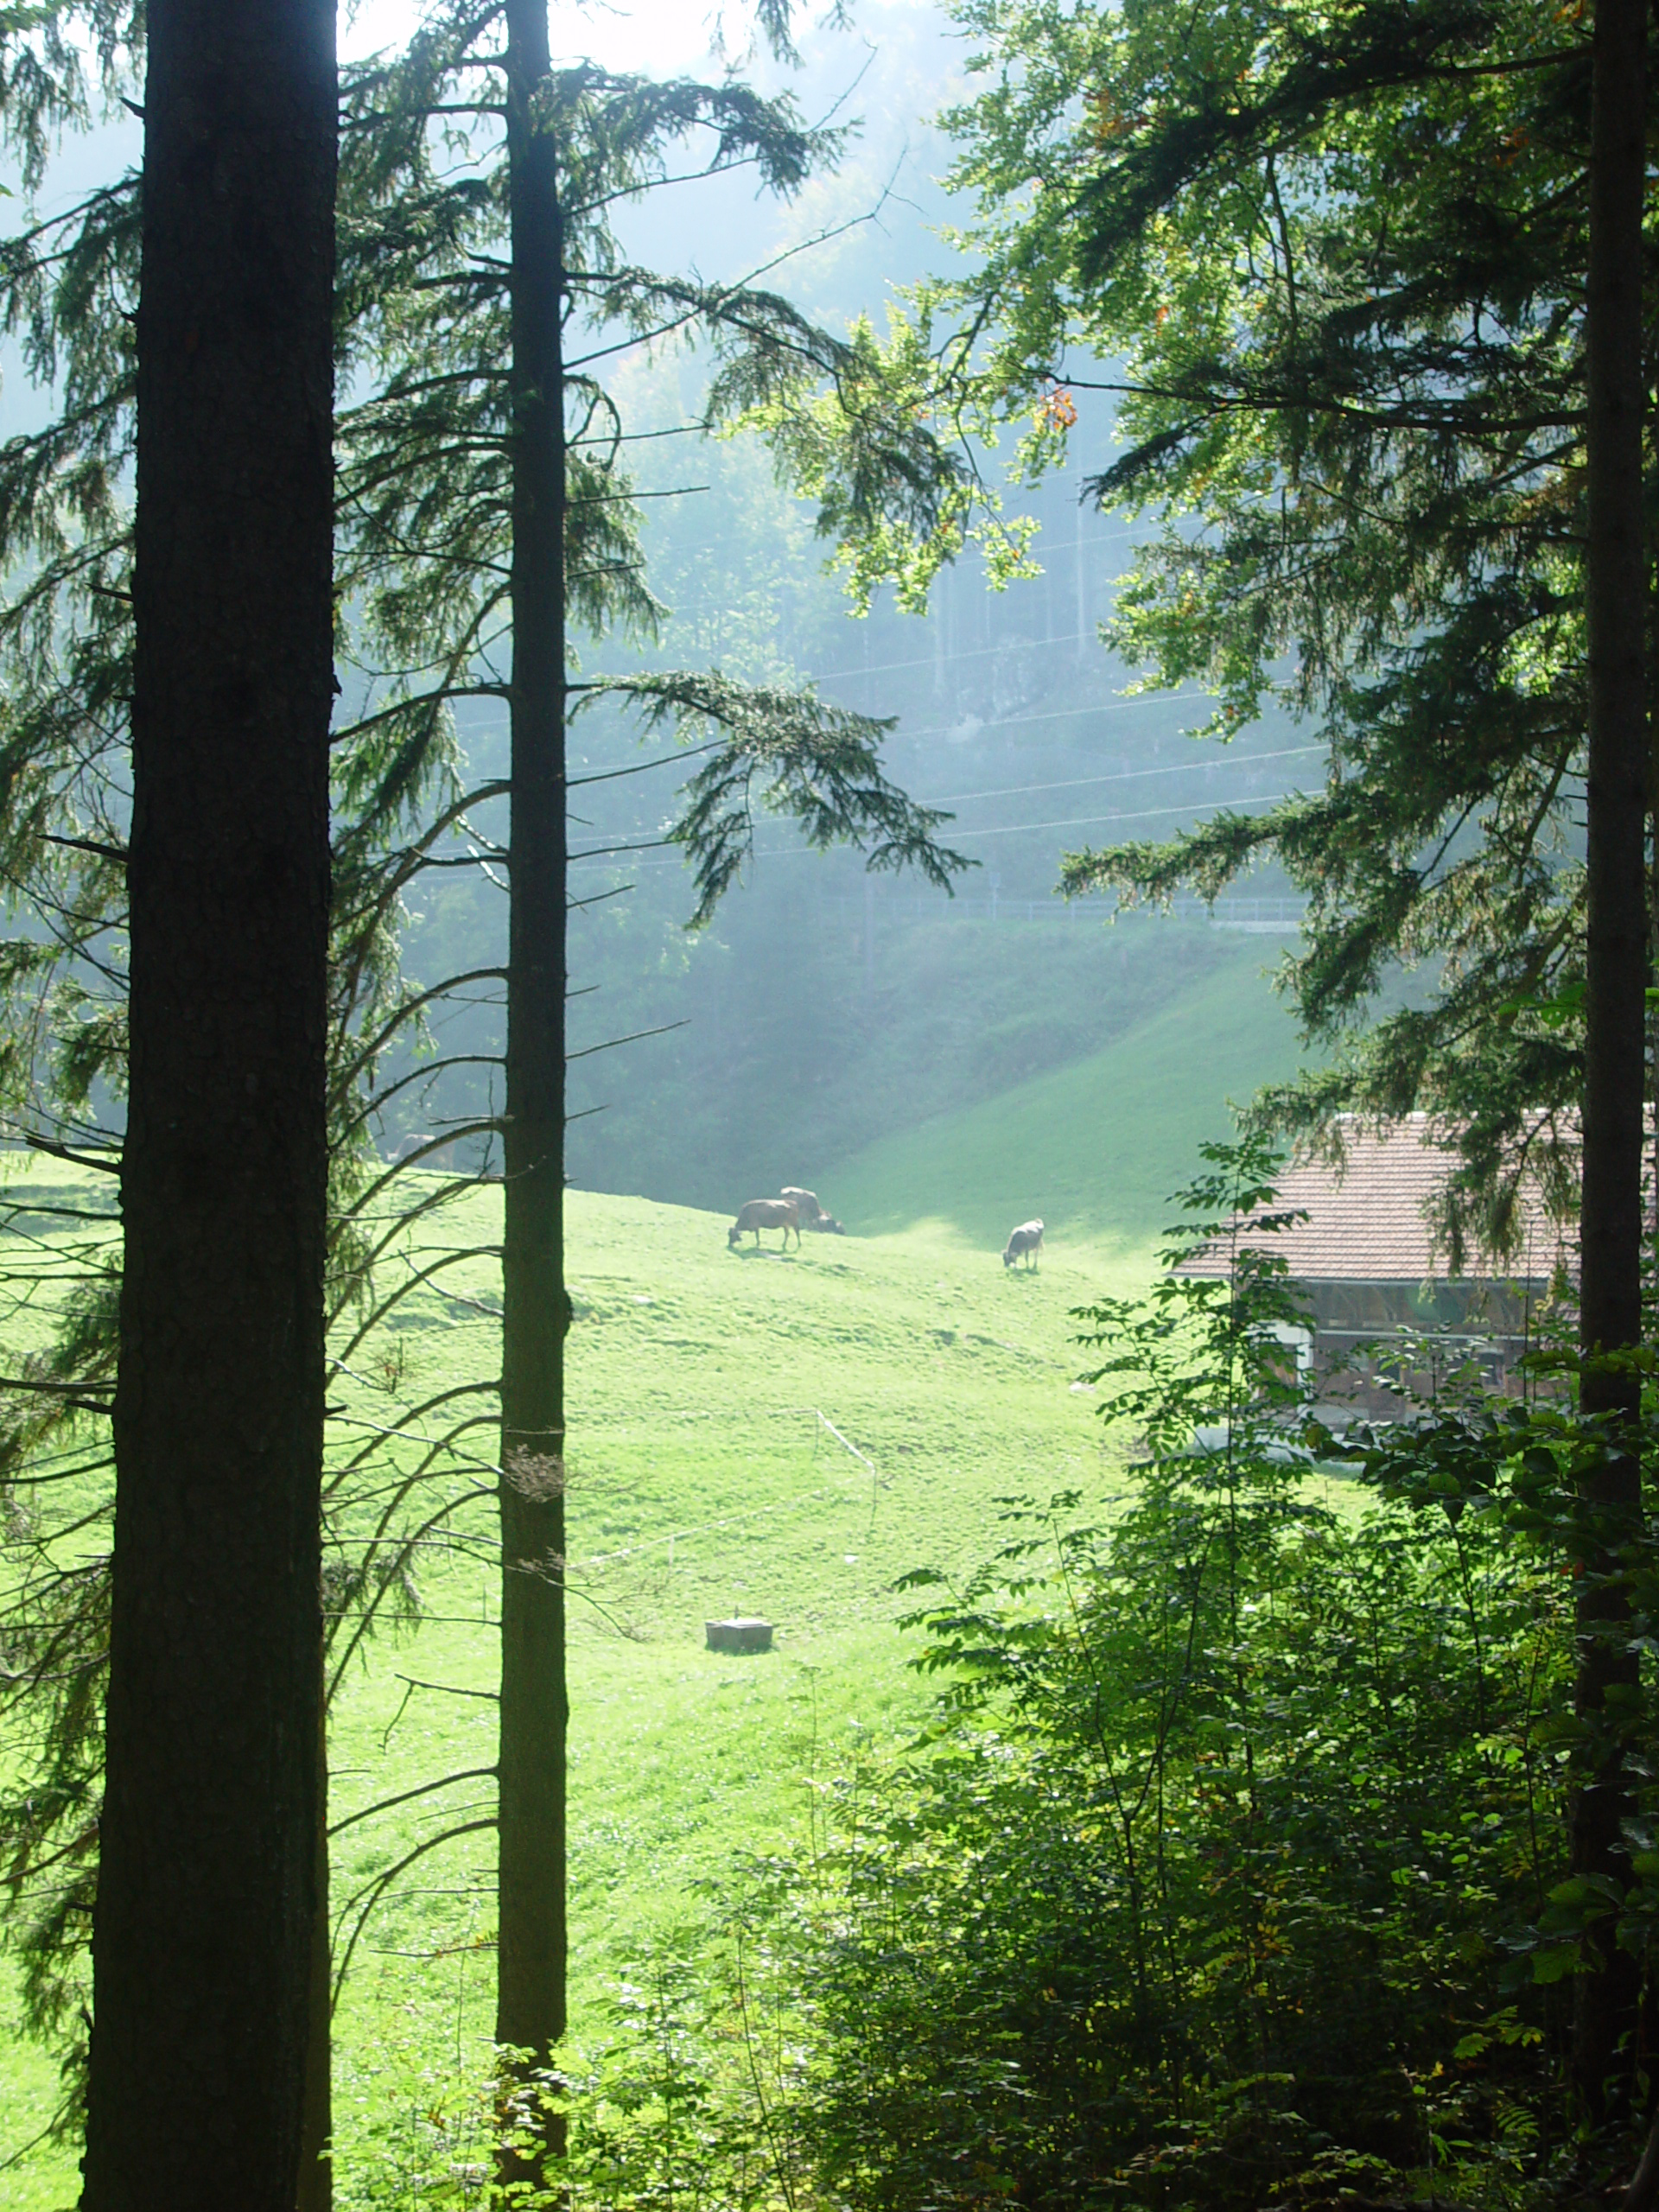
[(1094, 1146), (802, 1052)]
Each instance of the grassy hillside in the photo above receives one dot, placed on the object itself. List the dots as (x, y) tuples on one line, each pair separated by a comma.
[(779, 1436), (783, 1436), (1092, 1148)]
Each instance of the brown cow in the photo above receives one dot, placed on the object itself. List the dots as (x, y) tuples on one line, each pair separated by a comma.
[(766, 1213)]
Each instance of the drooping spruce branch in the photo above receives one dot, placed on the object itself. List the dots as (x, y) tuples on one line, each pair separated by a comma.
[(784, 753)]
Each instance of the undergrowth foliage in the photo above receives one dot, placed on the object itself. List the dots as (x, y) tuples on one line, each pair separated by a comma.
[(1229, 1870), (1212, 1879)]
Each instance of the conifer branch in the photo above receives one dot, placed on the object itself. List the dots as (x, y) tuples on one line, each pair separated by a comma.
[(417, 1280), (489, 1386), (376, 1101), (405, 1797), (406, 1012), (399, 1556), (369, 1894)]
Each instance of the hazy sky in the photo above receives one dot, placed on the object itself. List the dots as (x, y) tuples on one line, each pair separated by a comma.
[(661, 37), (895, 64)]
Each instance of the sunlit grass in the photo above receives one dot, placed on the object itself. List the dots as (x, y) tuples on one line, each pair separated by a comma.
[(705, 1473), (778, 1436)]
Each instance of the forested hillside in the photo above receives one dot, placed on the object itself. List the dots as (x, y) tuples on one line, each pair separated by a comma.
[(1011, 611)]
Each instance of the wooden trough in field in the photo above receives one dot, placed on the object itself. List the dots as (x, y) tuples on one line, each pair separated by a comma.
[(740, 1633)]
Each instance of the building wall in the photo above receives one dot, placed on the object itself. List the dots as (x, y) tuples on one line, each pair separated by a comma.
[(1468, 1323)]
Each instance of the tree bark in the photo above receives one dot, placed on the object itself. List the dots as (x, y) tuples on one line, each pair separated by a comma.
[(531, 1940), (207, 1885), (316, 2190), (1609, 1295)]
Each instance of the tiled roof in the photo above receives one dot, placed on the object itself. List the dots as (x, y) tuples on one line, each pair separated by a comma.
[(1368, 1216)]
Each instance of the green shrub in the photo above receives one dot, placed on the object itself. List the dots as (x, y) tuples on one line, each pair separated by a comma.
[(1210, 1884)]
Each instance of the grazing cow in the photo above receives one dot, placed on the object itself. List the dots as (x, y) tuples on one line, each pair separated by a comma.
[(1027, 1239), (813, 1214), (766, 1213)]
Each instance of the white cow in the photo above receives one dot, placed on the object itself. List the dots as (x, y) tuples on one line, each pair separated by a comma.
[(813, 1214), (1026, 1241)]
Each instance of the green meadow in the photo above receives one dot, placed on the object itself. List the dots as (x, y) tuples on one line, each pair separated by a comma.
[(781, 1435)]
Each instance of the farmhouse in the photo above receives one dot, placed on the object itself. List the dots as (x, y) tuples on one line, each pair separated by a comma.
[(1368, 1267)]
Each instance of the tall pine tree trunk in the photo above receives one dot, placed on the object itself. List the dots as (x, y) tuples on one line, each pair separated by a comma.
[(207, 1883), (317, 2191), (530, 1961), (1611, 1221)]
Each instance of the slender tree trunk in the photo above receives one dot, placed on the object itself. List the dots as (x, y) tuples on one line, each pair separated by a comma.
[(530, 1961), (1610, 1223), (208, 1883)]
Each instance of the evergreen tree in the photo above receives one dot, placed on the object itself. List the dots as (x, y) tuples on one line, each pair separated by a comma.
[(1327, 280), (204, 1935), (486, 477), (1606, 1999), (66, 647)]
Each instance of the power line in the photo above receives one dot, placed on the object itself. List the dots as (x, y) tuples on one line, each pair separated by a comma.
[(1017, 829), (1003, 722), (926, 660), (1120, 776), (1023, 791), (1093, 820), (949, 660), (1059, 714), (1053, 714)]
